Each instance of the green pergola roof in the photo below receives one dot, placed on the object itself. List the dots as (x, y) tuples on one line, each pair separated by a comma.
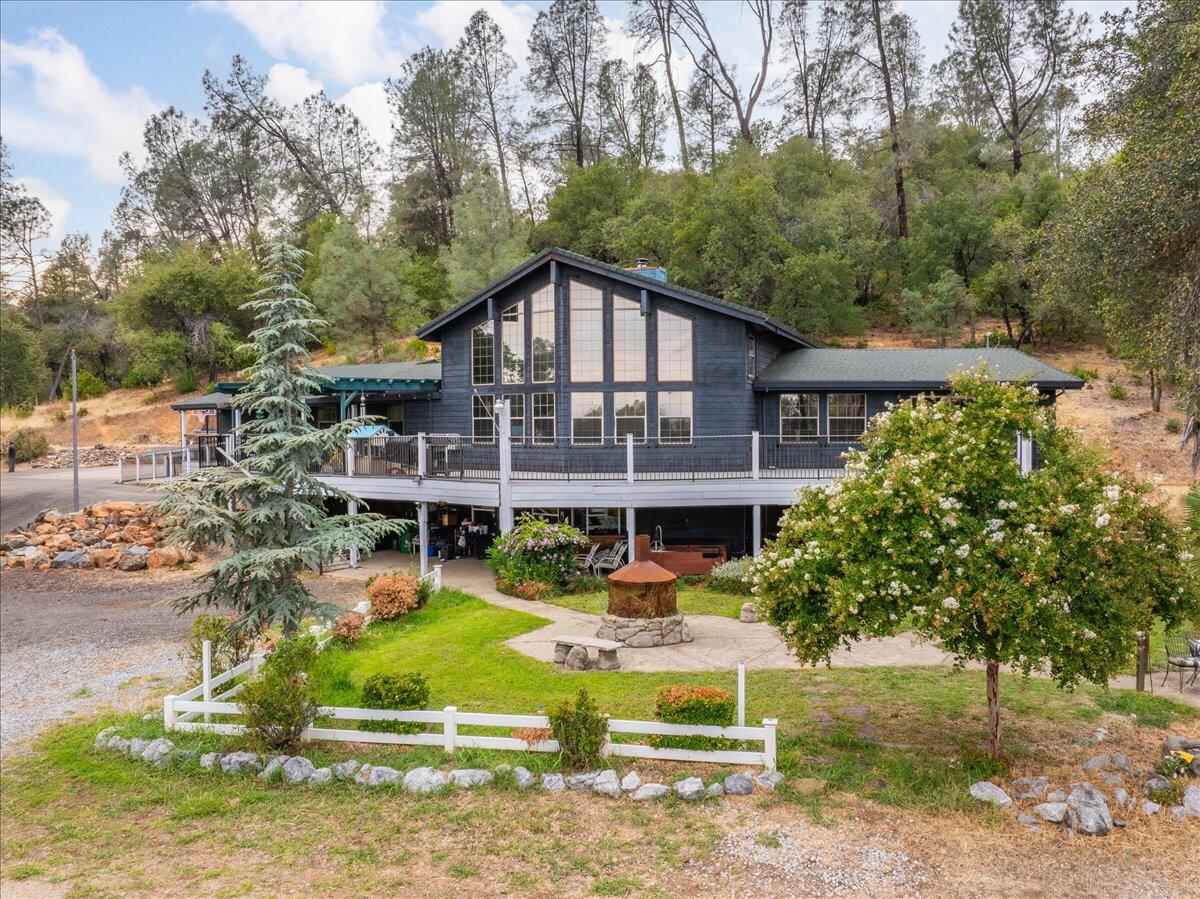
[(900, 369)]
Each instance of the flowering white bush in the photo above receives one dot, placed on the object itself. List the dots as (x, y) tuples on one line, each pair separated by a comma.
[(935, 522)]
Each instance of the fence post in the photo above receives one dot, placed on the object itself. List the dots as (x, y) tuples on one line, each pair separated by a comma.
[(350, 457), (437, 577), (741, 694), (137, 468), (629, 458), (422, 462), (769, 743), (170, 464), (607, 747), (169, 711), (755, 463), (206, 669), (450, 728)]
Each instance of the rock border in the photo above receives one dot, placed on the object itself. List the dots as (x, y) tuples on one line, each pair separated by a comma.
[(298, 770)]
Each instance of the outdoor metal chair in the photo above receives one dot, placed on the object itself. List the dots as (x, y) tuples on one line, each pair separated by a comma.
[(1183, 652), (588, 559), (611, 560)]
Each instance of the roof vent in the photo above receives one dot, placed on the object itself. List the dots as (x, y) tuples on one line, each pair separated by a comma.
[(644, 267)]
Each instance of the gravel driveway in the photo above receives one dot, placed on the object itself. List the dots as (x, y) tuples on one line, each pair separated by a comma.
[(72, 642)]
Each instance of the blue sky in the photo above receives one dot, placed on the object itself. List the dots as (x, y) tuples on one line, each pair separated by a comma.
[(80, 78)]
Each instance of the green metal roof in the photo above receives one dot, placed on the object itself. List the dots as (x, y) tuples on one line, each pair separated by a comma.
[(900, 369), (380, 377), (633, 277)]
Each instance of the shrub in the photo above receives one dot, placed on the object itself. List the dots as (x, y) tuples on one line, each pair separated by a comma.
[(1116, 391), (392, 595), (1173, 426), (533, 590), (279, 702), (394, 691), (142, 373), (30, 443), (580, 730), (583, 582), (1085, 374), (683, 704), (537, 550), (229, 648), (531, 736), (732, 576), (348, 627), (88, 386), (185, 381)]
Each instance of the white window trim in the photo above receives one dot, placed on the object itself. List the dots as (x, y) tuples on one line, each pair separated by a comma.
[(829, 431), (489, 402), (471, 349), (658, 320), (587, 441), (534, 439), (534, 314), (521, 418), (676, 441), (645, 416), (792, 438)]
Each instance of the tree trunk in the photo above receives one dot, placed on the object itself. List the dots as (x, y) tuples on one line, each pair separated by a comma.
[(1143, 659), (993, 696), (893, 127), (683, 152), (1155, 391), (1016, 157)]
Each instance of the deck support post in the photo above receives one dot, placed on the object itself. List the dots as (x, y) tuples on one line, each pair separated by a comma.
[(630, 529), (755, 455), (352, 509), (423, 536), (756, 514), (187, 463), (504, 408), (422, 455)]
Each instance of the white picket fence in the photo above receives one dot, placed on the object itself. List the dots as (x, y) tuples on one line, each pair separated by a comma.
[(182, 713)]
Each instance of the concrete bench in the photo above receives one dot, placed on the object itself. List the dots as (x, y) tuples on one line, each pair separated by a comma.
[(606, 651)]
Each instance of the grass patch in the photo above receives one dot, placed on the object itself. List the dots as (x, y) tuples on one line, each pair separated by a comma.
[(691, 601), (103, 823)]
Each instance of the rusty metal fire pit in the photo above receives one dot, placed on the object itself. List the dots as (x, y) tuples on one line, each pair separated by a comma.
[(641, 603)]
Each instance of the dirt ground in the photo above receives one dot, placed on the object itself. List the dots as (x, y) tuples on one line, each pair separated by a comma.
[(132, 418), (1134, 436), (72, 642)]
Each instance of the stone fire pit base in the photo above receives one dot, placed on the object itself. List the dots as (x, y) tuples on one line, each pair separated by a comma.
[(638, 633)]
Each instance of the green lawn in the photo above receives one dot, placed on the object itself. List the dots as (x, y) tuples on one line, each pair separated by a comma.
[(691, 601), (107, 825)]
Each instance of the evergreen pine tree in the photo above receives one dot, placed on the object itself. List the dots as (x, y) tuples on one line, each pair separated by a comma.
[(269, 513)]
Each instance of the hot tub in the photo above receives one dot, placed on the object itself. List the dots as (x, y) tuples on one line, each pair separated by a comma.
[(691, 558)]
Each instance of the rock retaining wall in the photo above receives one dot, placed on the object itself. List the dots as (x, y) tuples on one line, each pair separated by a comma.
[(123, 535)]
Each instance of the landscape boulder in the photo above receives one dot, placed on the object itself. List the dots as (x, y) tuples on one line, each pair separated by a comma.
[(321, 776), (133, 558), (468, 778), (553, 783), (345, 770), (297, 769), (72, 558), (1053, 812), (238, 762), (738, 785), (606, 784), (986, 791), (690, 788), (1030, 787), (1191, 802), (649, 791), (1088, 810), (630, 782), (523, 778), (768, 780), (425, 780)]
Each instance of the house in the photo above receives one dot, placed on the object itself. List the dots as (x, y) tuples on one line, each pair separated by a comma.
[(615, 399)]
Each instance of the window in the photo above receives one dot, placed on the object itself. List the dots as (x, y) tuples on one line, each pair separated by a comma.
[(629, 416), (395, 417), (629, 340), (604, 521), (512, 348), (675, 416), (587, 417), (483, 353), (541, 319), (799, 417), (327, 415), (483, 426), (587, 333), (751, 356), (847, 416), (674, 347), (516, 410), (543, 418)]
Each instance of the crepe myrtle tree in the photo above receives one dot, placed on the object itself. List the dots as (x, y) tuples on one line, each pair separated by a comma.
[(269, 514), (934, 523)]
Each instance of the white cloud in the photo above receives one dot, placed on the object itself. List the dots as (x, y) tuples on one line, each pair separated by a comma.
[(447, 19), (290, 84), (54, 103), (56, 204), (369, 102), (344, 42)]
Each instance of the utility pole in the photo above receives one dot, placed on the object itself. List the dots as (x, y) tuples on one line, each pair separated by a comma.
[(74, 431)]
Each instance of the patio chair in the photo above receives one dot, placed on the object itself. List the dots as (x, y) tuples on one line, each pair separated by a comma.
[(1183, 652), (611, 560), (586, 560)]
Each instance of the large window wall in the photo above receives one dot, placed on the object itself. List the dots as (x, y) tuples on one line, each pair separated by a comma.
[(587, 332)]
